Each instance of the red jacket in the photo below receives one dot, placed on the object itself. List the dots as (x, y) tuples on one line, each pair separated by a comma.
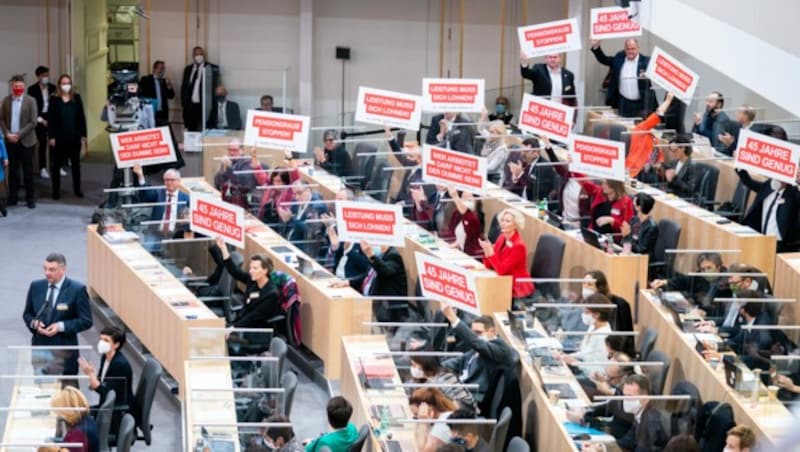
[(472, 230), (641, 147), (511, 259), (621, 209)]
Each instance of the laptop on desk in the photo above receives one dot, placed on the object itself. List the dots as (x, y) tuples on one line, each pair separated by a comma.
[(591, 237)]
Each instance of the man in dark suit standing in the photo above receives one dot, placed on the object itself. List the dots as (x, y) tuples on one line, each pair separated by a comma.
[(387, 277), (195, 88), (628, 91), (41, 92), (158, 87), (225, 114), (550, 79), (18, 115), (56, 310), (774, 211)]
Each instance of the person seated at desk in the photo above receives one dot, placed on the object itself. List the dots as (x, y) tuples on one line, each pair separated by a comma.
[(279, 192), (427, 369), (413, 187), (501, 110), (277, 439), (789, 386), (508, 254), (170, 197), (432, 404), (386, 276), (333, 158), (295, 225), (642, 230), (595, 281), (593, 345), (446, 130), (714, 122), (610, 206), (679, 173), (495, 146), (225, 113), (774, 211), (343, 433), (115, 374), (240, 189), (644, 159), (262, 301), (529, 175), (700, 291), (487, 352), (431, 208), (265, 103), (728, 318), (465, 226), (466, 435), (608, 383), (350, 264), (71, 405), (740, 438)]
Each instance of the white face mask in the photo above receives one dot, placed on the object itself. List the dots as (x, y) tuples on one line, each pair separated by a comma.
[(103, 347), (775, 185), (416, 372), (66, 88), (44, 80), (470, 205), (727, 449), (754, 285), (199, 59), (587, 319), (587, 292), (631, 406)]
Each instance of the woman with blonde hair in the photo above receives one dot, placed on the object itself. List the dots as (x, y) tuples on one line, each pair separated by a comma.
[(508, 254), (71, 405), (495, 147), (431, 403)]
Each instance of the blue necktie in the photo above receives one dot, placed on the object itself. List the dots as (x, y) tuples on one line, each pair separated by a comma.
[(158, 93)]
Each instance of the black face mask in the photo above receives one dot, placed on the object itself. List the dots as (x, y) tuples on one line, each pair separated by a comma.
[(220, 98)]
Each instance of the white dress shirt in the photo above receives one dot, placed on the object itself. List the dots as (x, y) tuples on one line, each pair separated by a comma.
[(45, 99), (628, 79), (770, 225), (173, 210), (56, 293), (340, 269), (198, 72), (16, 110), (571, 199), (556, 87), (222, 120)]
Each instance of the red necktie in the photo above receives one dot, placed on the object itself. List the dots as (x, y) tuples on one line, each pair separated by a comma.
[(167, 215)]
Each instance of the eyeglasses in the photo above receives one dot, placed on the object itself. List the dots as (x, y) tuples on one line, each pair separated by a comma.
[(170, 179), (330, 139)]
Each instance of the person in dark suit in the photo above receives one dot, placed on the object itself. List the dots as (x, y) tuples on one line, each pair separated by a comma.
[(67, 132), (333, 157), (550, 79), (225, 114), (173, 199), (386, 276), (487, 353), (647, 433), (294, 220), (195, 87), (262, 301), (158, 87), (642, 230), (680, 172), (627, 91), (41, 92), (115, 374), (56, 310), (530, 175), (774, 211), (445, 132), (714, 122), (18, 121), (350, 264), (698, 290)]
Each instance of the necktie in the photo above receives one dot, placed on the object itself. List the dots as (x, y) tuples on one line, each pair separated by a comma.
[(769, 212), (221, 116), (49, 308), (158, 93), (197, 72), (366, 287), (167, 215)]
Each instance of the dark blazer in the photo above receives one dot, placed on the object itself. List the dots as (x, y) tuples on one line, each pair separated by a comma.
[(621, 421), (645, 436), (297, 228), (357, 266), (35, 91), (71, 307), (147, 88), (491, 356), (539, 74), (260, 304), (644, 242), (55, 128), (615, 63), (232, 114), (537, 183), (786, 207), (684, 183), (460, 138), (337, 161), (119, 378), (187, 87), (160, 195), (390, 278), (27, 121)]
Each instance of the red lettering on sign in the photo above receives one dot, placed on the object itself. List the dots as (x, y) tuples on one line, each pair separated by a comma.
[(673, 74), (614, 22), (546, 118), (548, 36), (392, 107), (369, 221), (595, 153), (217, 219), (142, 145), (281, 129), (453, 93), (768, 156), (454, 167), (448, 284)]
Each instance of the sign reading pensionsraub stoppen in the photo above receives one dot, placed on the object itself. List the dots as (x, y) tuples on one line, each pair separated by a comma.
[(767, 156), (447, 283), (550, 37), (672, 75), (613, 22), (597, 157), (543, 117), (452, 94), (266, 129), (215, 217), (379, 224), (445, 167), (381, 107), (143, 147)]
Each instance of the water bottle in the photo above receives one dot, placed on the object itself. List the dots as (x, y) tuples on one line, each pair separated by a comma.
[(385, 420), (542, 208), (756, 387), (609, 244)]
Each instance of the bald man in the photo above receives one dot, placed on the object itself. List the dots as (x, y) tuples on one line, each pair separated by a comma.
[(628, 91)]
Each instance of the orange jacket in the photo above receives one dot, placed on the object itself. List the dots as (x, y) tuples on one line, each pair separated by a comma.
[(642, 145)]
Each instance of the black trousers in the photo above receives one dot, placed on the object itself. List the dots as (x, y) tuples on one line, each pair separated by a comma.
[(41, 137), (20, 156), (193, 117), (631, 108), (66, 149)]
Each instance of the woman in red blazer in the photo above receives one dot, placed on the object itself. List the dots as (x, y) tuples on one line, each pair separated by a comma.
[(465, 225), (611, 206), (508, 255)]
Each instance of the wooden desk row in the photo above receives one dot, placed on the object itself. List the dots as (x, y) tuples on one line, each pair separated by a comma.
[(787, 285)]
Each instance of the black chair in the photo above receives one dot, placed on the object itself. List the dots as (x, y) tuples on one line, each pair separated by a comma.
[(647, 341), (547, 260), (494, 230), (706, 189), (381, 179), (500, 430), (225, 305), (145, 394), (657, 374), (271, 373), (289, 385), (734, 210), (518, 444), (103, 420), (669, 232), (127, 434), (363, 434), (532, 422), (684, 413), (716, 419)]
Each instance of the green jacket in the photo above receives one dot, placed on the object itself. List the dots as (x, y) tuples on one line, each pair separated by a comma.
[(337, 440)]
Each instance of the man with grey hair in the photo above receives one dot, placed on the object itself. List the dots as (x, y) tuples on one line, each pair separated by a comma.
[(745, 115), (56, 310), (333, 157), (168, 200)]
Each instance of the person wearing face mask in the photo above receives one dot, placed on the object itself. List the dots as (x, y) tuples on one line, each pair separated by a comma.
[(41, 92), (427, 369), (386, 276), (530, 175), (278, 439), (18, 121), (647, 431), (774, 211), (608, 383), (501, 112), (466, 435), (642, 230), (225, 113), (115, 374), (730, 320), (701, 291), (621, 319), (740, 439), (195, 87), (713, 122), (67, 132), (610, 206), (593, 345), (158, 87), (550, 79), (465, 226)]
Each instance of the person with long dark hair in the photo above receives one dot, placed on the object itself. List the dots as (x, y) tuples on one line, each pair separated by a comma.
[(67, 132)]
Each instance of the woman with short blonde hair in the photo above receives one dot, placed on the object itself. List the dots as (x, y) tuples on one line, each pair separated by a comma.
[(71, 405), (508, 254)]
